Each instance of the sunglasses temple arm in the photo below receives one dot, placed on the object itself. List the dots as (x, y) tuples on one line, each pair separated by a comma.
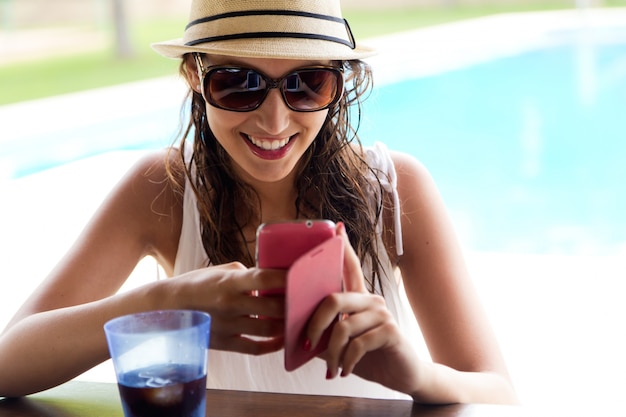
[(200, 71)]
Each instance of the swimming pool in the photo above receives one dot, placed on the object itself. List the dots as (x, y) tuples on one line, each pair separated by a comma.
[(50, 132), (527, 149)]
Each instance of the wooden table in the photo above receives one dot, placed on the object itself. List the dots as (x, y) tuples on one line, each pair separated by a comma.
[(90, 399)]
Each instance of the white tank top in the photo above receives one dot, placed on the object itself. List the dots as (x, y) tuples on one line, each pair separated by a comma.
[(266, 373)]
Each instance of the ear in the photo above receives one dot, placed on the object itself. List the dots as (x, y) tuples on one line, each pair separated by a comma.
[(191, 72)]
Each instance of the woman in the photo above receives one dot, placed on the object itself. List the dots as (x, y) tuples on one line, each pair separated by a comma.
[(270, 85)]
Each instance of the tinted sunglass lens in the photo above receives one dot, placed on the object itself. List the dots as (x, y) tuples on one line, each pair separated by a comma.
[(311, 89), (242, 89), (235, 88)]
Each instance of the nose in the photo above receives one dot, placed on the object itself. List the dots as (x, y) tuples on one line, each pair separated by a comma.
[(273, 114)]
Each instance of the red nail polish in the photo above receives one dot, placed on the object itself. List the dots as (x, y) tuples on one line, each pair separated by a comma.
[(307, 344), (328, 374)]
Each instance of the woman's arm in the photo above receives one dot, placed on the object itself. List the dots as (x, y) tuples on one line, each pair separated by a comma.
[(467, 363), (58, 332)]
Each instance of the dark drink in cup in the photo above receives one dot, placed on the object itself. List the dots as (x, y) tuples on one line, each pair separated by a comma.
[(164, 391), (160, 359)]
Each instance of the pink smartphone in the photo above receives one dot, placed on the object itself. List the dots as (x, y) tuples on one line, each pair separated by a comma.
[(280, 244), (311, 278), (313, 254)]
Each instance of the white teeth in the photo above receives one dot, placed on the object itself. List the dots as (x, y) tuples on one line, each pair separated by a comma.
[(269, 145)]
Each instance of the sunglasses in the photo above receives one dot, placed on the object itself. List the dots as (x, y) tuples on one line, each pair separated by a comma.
[(243, 89)]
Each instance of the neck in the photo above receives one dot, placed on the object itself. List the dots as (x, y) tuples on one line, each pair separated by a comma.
[(277, 200)]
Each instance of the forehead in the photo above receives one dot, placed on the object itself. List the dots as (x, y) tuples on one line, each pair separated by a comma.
[(269, 66)]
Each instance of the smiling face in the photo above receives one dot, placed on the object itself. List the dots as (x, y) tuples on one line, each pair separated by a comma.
[(265, 144)]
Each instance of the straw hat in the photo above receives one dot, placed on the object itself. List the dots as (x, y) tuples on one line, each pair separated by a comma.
[(290, 29)]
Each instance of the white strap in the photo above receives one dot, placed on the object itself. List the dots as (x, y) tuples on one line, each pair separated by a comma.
[(379, 158)]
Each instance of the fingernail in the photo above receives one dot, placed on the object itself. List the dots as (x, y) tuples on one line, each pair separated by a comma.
[(307, 344), (329, 374)]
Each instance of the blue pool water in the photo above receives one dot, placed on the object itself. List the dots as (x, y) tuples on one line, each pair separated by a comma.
[(529, 151), (36, 151)]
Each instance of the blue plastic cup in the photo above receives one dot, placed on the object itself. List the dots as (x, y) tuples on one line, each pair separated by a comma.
[(160, 360)]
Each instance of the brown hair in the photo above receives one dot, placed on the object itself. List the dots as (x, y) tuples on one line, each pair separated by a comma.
[(332, 181)]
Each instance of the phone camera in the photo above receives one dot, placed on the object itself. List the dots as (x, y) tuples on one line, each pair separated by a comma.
[(309, 223)]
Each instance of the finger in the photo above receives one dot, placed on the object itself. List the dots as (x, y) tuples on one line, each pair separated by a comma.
[(247, 326), (347, 303), (271, 306), (373, 340), (263, 280), (243, 344), (352, 272), (233, 304), (238, 278), (346, 333)]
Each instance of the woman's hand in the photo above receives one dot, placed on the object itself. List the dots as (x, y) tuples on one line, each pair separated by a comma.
[(241, 321), (367, 341)]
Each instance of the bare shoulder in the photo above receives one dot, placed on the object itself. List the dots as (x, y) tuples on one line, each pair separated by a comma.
[(148, 202), (426, 227), (147, 184), (152, 169), (407, 165), (414, 179), (141, 216)]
